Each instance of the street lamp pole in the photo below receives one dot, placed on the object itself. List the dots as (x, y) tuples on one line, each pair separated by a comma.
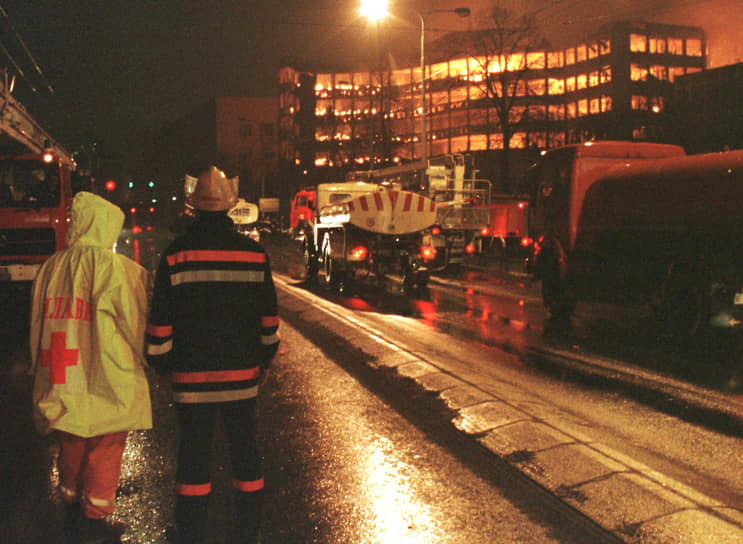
[(375, 10), (462, 12)]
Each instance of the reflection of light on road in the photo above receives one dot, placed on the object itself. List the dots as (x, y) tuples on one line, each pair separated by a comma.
[(397, 516), (359, 304), (426, 310)]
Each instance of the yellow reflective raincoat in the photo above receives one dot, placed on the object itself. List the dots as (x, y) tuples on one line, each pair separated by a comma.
[(89, 307)]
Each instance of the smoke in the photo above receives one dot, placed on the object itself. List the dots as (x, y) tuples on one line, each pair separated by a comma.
[(568, 21)]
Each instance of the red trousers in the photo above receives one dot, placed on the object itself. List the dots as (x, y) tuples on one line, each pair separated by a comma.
[(89, 470)]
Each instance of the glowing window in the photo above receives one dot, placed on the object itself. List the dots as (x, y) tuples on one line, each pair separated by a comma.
[(638, 73), (674, 72), (638, 43), (556, 112), (536, 61), (570, 84), (555, 59), (657, 45), (606, 103), (582, 107), (478, 142), (518, 140), (496, 140), (694, 47), (536, 87), (675, 46), (659, 72), (581, 53), (593, 51), (582, 81), (604, 47), (458, 68), (593, 79), (605, 74), (639, 102), (571, 110), (556, 86), (570, 56), (595, 106)]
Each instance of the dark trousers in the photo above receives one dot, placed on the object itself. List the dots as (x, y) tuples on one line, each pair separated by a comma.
[(197, 423)]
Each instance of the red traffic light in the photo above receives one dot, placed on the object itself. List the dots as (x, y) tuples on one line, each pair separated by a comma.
[(110, 185)]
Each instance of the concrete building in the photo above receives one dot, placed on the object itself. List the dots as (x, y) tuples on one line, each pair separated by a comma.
[(615, 85), (237, 134)]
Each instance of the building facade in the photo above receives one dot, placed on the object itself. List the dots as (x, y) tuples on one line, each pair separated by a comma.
[(614, 86), (237, 134)]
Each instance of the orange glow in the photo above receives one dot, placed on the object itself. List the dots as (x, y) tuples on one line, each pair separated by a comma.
[(436, 231), (470, 249), (359, 253), (428, 253), (136, 229), (484, 231), (48, 157), (526, 241)]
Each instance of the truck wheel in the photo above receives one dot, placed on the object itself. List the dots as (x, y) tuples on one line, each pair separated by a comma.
[(557, 299), (330, 270), (685, 310), (310, 265)]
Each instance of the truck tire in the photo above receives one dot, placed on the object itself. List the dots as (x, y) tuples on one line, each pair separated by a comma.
[(685, 307), (331, 272), (556, 295), (310, 263)]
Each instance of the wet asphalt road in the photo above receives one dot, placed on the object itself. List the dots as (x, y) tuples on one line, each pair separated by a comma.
[(342, 466)]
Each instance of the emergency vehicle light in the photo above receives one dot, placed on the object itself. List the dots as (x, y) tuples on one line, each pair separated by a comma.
[(48, 157), (428, 253), (359, 253)]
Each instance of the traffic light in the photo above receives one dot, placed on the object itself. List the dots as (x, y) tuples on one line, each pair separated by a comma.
[(110, 185), (151, 184)]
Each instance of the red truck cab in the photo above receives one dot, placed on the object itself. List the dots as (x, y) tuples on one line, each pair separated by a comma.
[(35, 201)]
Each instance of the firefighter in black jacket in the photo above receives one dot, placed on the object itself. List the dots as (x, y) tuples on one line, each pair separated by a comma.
[(213, 328)]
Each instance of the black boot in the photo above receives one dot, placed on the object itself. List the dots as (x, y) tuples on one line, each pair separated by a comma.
[(100, 531), (71, 525)]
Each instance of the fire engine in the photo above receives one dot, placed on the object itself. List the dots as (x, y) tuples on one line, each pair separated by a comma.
[(302, 212), (367, 228), (37, 182), (641, 223)]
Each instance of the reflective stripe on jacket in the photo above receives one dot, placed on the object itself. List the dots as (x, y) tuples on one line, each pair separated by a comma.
[(214, 318)]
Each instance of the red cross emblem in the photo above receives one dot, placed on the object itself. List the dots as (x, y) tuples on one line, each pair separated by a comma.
[(58, 357)]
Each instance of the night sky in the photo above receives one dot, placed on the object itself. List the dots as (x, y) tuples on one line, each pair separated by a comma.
[(120, 70)]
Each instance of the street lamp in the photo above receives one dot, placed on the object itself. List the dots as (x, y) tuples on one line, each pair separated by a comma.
[(375, 10)]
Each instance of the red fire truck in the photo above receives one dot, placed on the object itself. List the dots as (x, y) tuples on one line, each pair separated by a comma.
[(37, 182)]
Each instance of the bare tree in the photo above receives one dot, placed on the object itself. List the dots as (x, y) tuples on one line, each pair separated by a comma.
[(506, 50)]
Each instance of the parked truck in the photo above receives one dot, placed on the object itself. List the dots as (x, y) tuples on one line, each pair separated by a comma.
[(641, 223), (364, 229)]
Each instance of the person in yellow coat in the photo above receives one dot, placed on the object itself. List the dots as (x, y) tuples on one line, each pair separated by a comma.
[(88, 318)]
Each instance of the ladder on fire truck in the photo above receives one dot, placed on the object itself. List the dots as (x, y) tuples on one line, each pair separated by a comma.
[(19, 131)]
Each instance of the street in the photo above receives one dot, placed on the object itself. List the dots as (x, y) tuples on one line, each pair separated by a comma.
[(441, 417)]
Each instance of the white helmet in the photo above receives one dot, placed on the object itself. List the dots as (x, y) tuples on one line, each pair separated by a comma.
[(214, 192)]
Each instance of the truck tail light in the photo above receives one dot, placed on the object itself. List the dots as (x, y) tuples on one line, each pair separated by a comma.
[(436, 230), (428, 253), (484, 231), (359, 253), (470, 248), (526, 241)]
